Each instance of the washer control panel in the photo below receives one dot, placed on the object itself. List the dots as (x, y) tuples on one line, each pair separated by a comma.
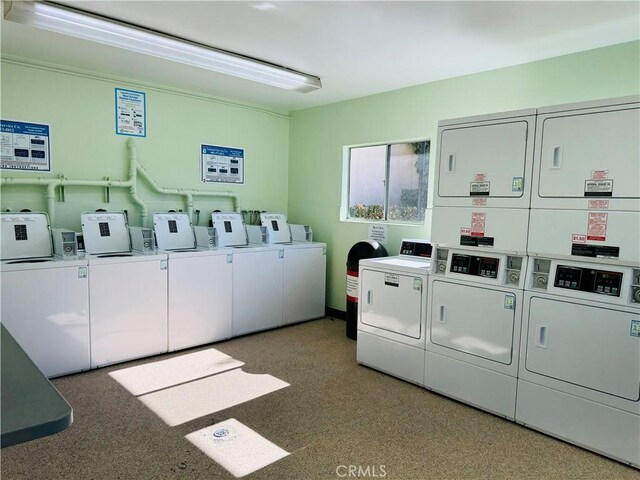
[(416, 248)]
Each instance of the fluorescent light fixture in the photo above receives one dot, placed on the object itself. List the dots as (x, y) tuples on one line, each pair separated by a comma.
[(76, 23)]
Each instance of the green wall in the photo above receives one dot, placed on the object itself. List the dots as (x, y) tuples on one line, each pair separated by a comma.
[(292, 165), (318, 135), (80, 111)]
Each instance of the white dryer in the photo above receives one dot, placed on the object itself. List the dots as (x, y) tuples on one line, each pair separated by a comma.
[(128, 291), (392, 311), (579, 376), (474, 316), (45, 299), (200, 281), (257, 276), (305, 265)]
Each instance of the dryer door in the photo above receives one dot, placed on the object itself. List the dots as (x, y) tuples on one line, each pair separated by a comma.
[(474, 320), (584, 345), (392, 302)]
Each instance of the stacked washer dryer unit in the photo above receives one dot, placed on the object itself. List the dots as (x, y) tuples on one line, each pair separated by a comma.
[(392, 311), (479, 232), (200, 279), (45, 299), (128, 291), (579, 376), (304, 275), (257, 276)]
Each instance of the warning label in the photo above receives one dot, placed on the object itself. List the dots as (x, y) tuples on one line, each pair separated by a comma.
[(480, 177), (352, 286), (598, 204), (479, 188), (391, 280), (599, 174), (477, 224), (598, 188), (597, 226), (482, 202)]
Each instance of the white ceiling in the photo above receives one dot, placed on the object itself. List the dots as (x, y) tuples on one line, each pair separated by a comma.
[(356, 48)]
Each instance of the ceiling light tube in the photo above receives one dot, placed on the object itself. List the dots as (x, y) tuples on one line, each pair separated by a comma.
[(68, 21)]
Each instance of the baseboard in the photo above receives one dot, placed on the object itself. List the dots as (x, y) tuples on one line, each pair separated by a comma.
[(332, 312)]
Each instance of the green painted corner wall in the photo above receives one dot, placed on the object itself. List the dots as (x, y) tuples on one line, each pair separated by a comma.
[(80, 110), (318, 135)]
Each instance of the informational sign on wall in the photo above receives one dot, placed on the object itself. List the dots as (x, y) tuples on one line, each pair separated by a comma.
[(25, 146), (130, 113), (221, 164), (379, 233)]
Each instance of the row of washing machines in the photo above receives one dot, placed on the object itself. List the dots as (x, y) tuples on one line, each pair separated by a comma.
[(136, 292), (529, 306)]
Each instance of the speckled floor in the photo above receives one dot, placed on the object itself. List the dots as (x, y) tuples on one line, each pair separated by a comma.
[(338, 419)]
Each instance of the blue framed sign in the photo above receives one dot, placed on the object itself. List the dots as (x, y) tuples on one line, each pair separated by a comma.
[(221, 164), (25, 146), (131, 115)]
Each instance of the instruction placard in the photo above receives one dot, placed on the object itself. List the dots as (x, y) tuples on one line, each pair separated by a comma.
[(379, 233), (477, 224), (597, 227), (221, 164), (131, 113), (24, 146)]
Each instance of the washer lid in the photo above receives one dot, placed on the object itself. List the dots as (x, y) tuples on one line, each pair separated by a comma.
[(105, 232), (173, 231), (25, 235), (230, 229), (277, 227)]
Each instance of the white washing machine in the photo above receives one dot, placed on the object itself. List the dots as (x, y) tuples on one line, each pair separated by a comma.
[(305, 265), (474, 315), (45, 299), (128, 292), (257, 276), (392, 311), (200, 284), (579, 377)]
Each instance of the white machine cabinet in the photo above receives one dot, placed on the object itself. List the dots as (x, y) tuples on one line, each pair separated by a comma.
[(128, 308), (587, 156), (392, 311), (257, 289), (304, 281), (45, 306), (485, 160)]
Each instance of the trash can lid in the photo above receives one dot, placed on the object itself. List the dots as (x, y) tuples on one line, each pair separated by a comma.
[(366, 249)]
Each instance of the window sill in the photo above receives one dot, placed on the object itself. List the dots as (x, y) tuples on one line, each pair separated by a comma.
[(384, 222)]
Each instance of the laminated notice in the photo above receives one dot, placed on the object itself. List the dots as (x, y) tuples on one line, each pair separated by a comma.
[(598, 188), (479, 188), (597, 226)]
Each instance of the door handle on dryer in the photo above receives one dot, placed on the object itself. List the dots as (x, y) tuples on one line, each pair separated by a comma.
[(369, 297), (442, 313), (542, 336), (556, 157), (451, 162)]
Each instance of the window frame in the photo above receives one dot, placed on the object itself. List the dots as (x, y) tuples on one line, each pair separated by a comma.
[(346, 170)]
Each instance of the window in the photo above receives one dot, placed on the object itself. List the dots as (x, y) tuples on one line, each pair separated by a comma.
[(388, 182)]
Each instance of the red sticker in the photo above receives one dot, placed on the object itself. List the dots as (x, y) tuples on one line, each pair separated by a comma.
[(599, 174), (597, 227), (598, 204), (477, 224)]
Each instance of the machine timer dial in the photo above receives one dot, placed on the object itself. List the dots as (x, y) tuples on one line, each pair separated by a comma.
[(514, 277), (541, 281)]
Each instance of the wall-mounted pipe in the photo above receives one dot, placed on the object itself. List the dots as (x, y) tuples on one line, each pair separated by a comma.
[(134, 169)]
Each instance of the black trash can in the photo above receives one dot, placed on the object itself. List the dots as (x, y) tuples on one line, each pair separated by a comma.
[(360, 251)]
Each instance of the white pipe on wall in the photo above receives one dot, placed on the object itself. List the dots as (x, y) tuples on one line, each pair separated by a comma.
[(134, 169)]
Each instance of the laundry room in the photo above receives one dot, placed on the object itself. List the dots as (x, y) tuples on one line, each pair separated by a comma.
[(320, 240)]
